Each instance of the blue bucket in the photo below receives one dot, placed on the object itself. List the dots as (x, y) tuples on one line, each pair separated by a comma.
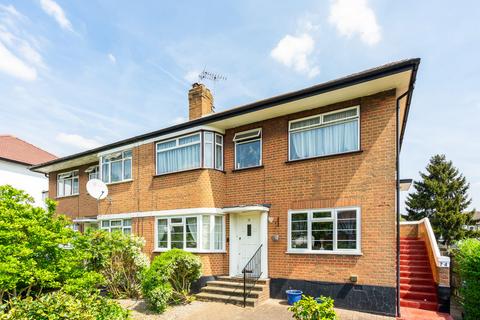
[(293, 296)]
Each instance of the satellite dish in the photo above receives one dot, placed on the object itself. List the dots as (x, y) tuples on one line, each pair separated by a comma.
[(97, 189)]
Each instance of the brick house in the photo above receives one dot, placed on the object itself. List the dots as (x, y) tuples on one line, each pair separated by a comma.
[(308, 178)]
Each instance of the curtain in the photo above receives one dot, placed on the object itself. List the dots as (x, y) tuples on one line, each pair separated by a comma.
[(218, 233), (191, 224), (179, 159), (337, 138), (206, 232)]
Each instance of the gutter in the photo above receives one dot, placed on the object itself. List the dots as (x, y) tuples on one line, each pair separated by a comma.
[(357, 78), (398, 143)]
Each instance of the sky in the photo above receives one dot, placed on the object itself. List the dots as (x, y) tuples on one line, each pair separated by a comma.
[(75, 75)]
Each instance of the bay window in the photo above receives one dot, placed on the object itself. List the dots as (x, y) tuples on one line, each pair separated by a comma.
[(325, 134), (199, 233), (248, 149), (324, 230), (67, 184), (117, 167), (185, 152)]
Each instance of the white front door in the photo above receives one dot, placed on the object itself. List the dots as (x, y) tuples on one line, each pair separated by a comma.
[(248, 238)]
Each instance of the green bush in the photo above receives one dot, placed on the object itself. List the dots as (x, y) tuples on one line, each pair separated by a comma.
[(169, 278), (60, 305), (309, 308), (117, 257), (468, 267)]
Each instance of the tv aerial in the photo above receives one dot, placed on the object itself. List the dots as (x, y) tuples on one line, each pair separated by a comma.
[(97, 189), (212, 76)]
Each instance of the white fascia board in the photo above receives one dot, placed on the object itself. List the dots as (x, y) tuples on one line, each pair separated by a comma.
[(161, 137), (245, 209), (160, 213)]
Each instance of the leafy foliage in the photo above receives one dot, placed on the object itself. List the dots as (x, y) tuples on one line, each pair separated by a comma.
[(442, 197), (60, 305), (117, 257), (169, 278), (33, 257), (309, 308), (468, 261)]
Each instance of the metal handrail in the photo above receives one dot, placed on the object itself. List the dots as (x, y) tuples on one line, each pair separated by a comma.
[(252, 270)]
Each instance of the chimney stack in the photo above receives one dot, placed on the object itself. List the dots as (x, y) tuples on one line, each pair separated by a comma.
[(200, 101)]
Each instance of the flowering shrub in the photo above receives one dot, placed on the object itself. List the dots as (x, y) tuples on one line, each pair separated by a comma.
[(309, 308)]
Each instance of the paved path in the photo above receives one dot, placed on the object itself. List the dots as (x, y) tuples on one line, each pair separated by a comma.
[(270, 310)]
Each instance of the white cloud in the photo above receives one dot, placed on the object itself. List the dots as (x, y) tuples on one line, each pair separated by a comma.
[(77, 141), (179, 120), (294, 52), (12, 65), (53, 9), (112, 58), (192, 76), (352, 17)]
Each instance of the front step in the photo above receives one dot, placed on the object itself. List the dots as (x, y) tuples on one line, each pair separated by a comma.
[(230, 290)]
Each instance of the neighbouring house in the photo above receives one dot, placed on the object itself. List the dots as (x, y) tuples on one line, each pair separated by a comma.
[(304, 182), (16, 157), (475, 223)]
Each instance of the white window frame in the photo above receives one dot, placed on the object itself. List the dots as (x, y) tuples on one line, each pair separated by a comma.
[(74, 176), (310, 218), (322, 123), (238, 141), (199, 248), (122, 160), (202, 142), (123, 226), (93, 172)]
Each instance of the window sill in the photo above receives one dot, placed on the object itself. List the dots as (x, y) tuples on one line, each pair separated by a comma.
[(248, 168), (192, 251), (118, 182), (346, 253), (186, 170), (69, 196), (326, 156)]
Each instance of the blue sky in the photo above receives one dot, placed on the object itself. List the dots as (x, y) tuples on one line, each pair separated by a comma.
[(78, 74)]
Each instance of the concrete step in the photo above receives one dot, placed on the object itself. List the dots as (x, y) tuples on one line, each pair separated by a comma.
[(421, 296), (417, 281), (235, 284), (418, 275), (230, 291), (207, 296), (410, 268), (239, 279), (426, 305), (418, 287), (423, 263)]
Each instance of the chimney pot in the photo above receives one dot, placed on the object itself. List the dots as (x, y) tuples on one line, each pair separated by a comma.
[(200, 101)]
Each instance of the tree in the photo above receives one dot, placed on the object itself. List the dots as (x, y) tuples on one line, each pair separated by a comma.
[(441, 196), (33, 257)]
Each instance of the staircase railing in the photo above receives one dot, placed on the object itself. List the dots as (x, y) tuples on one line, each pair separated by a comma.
[(251, 273)]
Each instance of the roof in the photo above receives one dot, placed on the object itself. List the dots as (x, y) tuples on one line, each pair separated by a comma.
[(350, 80), (476, 216), (19, 151)]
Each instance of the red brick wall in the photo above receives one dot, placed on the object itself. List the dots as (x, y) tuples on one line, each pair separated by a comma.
[(365, 179)]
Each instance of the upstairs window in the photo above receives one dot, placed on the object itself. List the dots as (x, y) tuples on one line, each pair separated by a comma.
[(248, 149), (93, 172), (324, 134), (67, 184), (117, 167), (185, 152)]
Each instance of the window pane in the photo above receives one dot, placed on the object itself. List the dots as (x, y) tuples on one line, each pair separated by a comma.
[(322, 235), (60, 190), (162, 229), (247, 135), (105, 223), (206, 232), (127, 169), (68, 187), (127, 222), (322, 214), (105, 172), (347, 229), (177, 220), (115, 223), (116, 171), (299, 229), (218, 233), (189, 139), (178, 159), (127, 230), (340, 115), (192, 234), (304, 123), (177, 237), (208, 155), (337, 138), (127, 154), (208, 137), (218, 157), (218, 139), (247, 154), (75, 186), (166, 145)]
